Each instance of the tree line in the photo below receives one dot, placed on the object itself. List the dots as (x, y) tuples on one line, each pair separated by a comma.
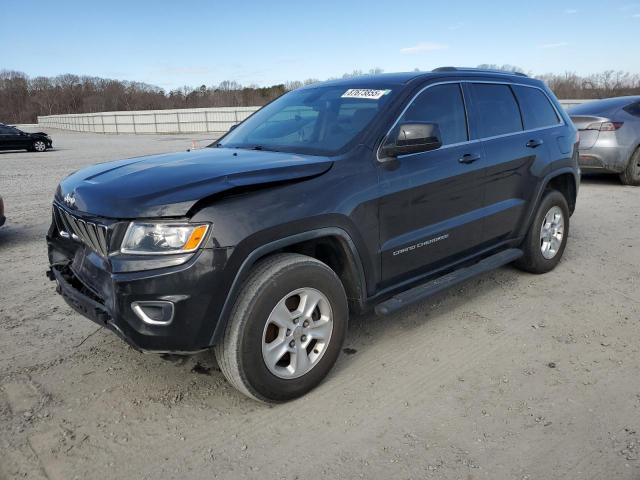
[(23, 98), (568, 85)]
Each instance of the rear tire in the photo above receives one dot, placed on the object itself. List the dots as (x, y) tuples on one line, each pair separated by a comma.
[(547, 237), (631, 174), (275, 317)]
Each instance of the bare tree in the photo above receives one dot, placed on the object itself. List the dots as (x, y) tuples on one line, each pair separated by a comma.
[(505, 67), (22, 98)]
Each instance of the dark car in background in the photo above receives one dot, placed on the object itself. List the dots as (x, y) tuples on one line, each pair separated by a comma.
[(610, 136), (12, 138), (2, 217)]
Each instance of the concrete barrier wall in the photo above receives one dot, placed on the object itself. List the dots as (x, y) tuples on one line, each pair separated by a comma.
[(194, 120), (571, 103)]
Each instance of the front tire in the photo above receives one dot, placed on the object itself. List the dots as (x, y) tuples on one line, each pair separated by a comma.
[(39, 146), (286, 329), (631, 174), (547, 237)]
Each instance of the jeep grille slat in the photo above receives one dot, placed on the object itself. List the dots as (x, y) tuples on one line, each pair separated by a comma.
[(67, 227), (93, 235), (73, 226), (78, 227), (85, 233), (103, 234), (59, 223), (92, 229)]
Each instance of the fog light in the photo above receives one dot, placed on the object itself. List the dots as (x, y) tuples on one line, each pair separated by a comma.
[(155, 312)]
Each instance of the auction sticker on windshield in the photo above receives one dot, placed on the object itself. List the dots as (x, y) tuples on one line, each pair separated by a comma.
[(364, 93)]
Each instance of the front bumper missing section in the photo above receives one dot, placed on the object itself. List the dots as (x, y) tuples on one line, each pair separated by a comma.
[(82, 303)]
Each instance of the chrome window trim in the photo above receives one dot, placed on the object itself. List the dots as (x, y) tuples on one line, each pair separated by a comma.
[(466, 113), (475, 140)]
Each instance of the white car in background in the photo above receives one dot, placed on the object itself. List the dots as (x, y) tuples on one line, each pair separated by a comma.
[(610, 136)]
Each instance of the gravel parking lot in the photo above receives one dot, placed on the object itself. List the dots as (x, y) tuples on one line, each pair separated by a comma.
[(510, 376)]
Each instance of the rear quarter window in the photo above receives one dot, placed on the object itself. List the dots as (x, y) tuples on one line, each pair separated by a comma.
[(497, 109), (633, 109), (537, 110)]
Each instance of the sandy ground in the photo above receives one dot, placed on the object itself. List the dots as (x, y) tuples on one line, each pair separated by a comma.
[(511, 376)]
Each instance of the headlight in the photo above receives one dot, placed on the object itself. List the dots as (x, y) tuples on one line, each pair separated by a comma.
[(162, 238)]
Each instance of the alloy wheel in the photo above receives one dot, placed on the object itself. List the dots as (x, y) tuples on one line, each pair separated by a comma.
[(297, 333), (551, 232)]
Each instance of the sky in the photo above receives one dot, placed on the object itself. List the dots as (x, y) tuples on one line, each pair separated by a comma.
[(171, 44)]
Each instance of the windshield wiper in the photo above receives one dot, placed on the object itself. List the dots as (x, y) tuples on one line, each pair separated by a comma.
[(262, 147), (247, 147)]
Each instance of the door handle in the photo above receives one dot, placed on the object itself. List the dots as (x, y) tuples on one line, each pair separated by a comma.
[(534, 143), (469, 158)]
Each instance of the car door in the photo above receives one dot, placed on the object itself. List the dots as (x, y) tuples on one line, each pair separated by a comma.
[(8, 138), (511, 155), (20, 139), (23, 140), (428, 209)]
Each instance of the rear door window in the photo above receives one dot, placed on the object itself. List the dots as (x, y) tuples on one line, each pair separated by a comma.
[(537, 111), (441, 104), (496, 108)]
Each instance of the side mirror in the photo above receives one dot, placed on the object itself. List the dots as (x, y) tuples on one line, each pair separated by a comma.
[(414, 138)]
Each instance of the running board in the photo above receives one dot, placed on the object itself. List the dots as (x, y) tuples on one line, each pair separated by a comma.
[(425, 290)]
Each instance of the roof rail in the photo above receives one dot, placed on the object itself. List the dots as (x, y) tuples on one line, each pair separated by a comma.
[(482, 70)]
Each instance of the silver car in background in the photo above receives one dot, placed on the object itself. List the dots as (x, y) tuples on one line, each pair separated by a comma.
[(610, 137)]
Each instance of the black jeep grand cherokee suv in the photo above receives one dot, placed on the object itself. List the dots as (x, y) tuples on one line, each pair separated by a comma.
[(372, 192)]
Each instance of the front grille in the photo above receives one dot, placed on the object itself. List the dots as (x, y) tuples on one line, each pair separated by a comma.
[(92, 234)]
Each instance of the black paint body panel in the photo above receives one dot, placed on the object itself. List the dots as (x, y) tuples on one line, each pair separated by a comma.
[(402, 221)]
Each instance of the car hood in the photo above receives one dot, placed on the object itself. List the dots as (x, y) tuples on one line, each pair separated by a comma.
[(169, 185)]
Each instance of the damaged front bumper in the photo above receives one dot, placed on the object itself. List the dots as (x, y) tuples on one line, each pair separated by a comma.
[(159, 310)]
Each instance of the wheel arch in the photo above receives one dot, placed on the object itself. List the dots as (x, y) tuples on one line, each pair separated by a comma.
[(566, 184), (331, 245), (566, 180)]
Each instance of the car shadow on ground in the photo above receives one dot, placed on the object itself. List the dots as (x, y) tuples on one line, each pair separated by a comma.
[(199, 373), (364, 333), (13, 234), (601, 179), (3, 152)]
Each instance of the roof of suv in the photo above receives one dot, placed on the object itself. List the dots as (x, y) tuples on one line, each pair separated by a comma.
[(386, 79)]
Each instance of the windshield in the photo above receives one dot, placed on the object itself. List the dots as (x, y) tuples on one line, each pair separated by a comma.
[(314, 121)]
